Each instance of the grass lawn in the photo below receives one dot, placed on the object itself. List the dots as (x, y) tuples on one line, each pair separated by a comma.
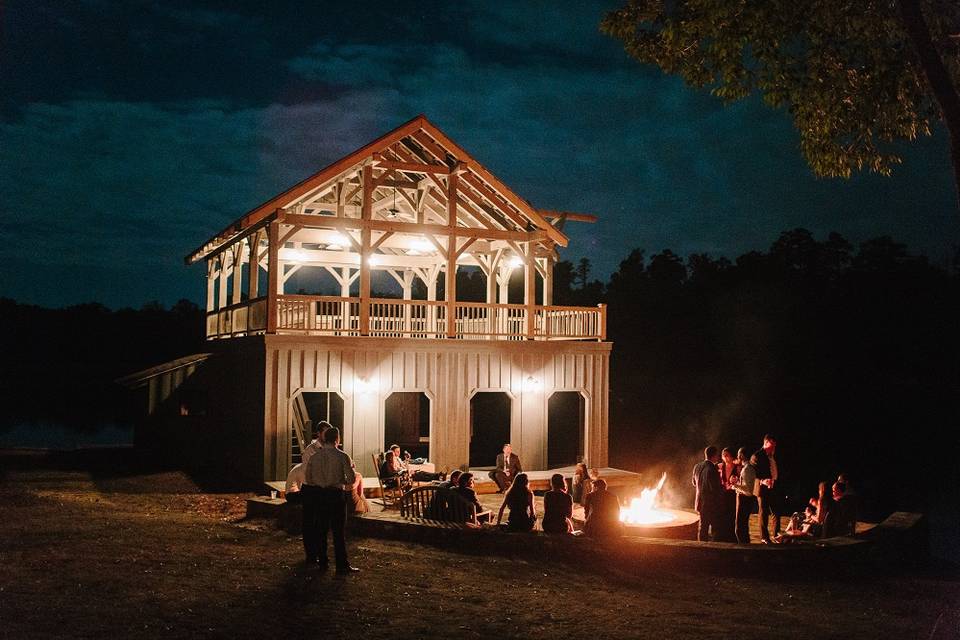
[(95, 552)]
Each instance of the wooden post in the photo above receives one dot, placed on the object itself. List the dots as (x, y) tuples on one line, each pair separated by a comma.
[(530, 287), (451, 277), (547, 282), (365, 214), (431, 283), (273, 274), (407, 295), (211, 286), (253, 267), (492, 267), (236, 297), (603, 322), (222, 292), (345, 305)]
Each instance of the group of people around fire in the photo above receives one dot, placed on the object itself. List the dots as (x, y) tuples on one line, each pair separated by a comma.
[(729, 489)]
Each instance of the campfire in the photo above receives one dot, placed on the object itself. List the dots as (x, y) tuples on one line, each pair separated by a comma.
[(643, 511)]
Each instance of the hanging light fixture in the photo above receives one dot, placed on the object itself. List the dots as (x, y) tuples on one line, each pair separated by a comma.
[(393, 212)]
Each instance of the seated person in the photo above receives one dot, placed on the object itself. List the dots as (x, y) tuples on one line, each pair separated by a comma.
[(295, 480), (557, 507), (582, 483), (506, 469), (451, 481), (602, 510), (811, 526), (519, 498), (418, 476), (358, 500), (392, 473), (465, 488)]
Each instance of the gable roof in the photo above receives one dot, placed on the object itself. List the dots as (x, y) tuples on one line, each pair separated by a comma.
[(422, 133)]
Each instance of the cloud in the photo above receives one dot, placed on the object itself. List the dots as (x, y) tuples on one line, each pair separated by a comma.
[(662, 165), (94, 191)]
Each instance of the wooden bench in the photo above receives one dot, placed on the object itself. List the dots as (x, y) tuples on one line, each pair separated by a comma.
[(438, 505)]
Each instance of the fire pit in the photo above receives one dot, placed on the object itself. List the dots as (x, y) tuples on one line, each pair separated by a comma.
[(642, 517)]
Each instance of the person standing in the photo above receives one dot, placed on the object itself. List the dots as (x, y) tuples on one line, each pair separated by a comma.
[(729, 475), (767, 474), (329, 480), (507, 468), (709, 500), (746, 488)]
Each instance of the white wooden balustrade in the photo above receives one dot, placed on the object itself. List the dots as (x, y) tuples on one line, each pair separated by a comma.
[(331, 315)]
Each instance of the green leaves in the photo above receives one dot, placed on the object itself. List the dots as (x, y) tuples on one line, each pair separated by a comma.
[(843, 69)]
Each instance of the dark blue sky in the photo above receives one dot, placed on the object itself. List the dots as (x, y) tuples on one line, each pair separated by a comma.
[(130, 132)]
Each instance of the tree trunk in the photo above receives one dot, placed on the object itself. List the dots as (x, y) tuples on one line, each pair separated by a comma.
[(937, 77)]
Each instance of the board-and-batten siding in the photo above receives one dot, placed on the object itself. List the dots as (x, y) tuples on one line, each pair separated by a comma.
[(449, 373)]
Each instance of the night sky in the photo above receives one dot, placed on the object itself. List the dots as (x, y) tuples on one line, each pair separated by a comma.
[(130, 132)]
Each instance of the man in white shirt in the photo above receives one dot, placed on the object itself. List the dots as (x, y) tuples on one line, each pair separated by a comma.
[(328, 479), (315, 444)]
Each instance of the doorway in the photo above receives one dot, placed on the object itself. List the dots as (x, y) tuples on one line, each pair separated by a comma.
[(489, 426), (406, 422), (309, 408), (566, 419)]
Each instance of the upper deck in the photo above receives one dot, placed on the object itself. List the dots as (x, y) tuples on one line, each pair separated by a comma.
[(416, 207)]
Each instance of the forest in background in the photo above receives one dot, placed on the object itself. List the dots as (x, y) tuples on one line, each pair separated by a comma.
[(850, 355)]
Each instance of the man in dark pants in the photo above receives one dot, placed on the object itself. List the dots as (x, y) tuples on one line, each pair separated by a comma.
[(507, 468), (709, 501), (767, 474), (329, 477)]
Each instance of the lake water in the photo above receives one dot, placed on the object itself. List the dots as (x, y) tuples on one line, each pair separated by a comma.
[(57, 437)]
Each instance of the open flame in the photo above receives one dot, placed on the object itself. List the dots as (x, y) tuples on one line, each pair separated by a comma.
[(642, 509)]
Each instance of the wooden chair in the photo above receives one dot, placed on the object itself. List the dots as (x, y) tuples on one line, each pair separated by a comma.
[(441, 506), (389, 496)]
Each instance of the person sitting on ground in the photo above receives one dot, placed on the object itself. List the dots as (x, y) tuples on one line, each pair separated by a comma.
[(392, 473), (466, 490), (812, 523), (602, 512), (295, 481), (506, 469), (519, 498), (582, 483), (557, 507), (417, 476)]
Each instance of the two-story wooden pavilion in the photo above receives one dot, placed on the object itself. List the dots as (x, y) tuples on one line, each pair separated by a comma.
[(452, 378)]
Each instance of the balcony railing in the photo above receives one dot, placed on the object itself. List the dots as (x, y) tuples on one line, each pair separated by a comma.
[(335, 316)]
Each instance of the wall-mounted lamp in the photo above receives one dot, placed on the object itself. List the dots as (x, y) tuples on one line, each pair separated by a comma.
[(531, 384), (516, 261), (364, 386)]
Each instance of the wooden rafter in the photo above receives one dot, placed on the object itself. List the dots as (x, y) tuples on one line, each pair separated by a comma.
[(416, 148)]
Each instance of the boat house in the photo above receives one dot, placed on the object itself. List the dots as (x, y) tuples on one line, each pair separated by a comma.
[(338, 299)]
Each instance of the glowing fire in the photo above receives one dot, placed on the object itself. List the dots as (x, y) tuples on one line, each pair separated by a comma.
[(642, 509)]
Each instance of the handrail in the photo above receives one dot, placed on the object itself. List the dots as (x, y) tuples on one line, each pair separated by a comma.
[(395, 317)]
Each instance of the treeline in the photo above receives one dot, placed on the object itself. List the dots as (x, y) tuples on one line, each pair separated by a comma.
[(60, 364), (851, 356)]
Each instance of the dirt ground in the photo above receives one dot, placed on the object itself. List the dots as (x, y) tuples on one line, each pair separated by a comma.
[(92, 553)]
